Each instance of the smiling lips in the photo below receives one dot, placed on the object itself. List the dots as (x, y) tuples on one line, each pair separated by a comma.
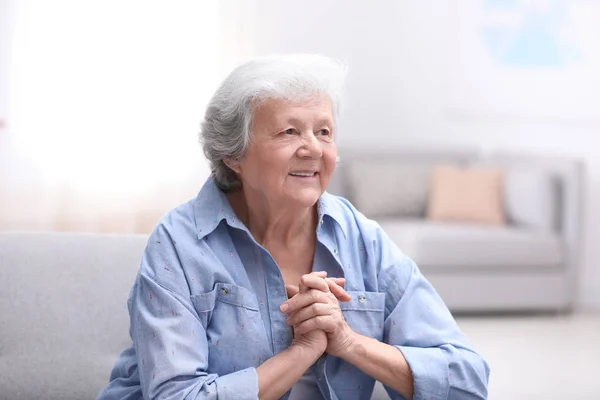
[(303, 174)]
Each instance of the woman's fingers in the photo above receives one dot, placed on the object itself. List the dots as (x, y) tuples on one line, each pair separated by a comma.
[(318, 280), (339, 281), (314, 281), (320, 274), (311, 311), (335, 286), (291, 290), (304, 299), (321, 322)]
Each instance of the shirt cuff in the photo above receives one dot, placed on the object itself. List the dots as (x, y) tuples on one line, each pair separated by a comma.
[(430, 370), (240, 385)]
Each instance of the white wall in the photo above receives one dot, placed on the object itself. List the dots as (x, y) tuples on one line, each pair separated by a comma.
[(102, 103), (399, 54), (4, 50)]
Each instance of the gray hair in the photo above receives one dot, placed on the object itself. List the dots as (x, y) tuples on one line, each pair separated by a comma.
[(225, 130)]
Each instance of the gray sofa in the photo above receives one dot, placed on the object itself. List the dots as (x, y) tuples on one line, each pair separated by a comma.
[(531, 263), (63, 312)]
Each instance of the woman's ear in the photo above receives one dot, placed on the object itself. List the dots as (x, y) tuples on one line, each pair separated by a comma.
[(234, 166)]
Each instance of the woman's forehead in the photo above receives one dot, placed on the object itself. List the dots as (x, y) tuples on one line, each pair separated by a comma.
[(316, 109)]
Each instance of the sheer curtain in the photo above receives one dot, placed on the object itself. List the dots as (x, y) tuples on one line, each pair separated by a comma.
[(100, 106)]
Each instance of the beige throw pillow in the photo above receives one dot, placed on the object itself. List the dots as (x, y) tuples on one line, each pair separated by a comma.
[(467, 194)]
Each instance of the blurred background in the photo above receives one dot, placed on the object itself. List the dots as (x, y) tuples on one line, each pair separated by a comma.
[(100, 104)]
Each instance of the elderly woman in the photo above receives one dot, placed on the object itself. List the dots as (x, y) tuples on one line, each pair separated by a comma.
[(266, 286)]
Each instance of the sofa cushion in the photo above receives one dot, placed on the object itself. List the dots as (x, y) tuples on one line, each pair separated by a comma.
[(388, 188), (471, 194), (63, 308), (447, 245), (531, 197)]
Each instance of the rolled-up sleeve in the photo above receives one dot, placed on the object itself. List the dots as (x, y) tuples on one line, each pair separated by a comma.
[(169, 337), (417, 322)]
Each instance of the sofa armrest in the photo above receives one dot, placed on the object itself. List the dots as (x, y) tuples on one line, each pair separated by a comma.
[(571, 174)]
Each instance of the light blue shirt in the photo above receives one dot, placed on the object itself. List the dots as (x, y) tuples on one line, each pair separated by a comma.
[(204, 311)]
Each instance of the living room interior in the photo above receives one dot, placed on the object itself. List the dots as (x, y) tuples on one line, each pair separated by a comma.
[(469, 132)]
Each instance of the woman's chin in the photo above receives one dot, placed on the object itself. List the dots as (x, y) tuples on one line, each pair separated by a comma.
[(306, 197)]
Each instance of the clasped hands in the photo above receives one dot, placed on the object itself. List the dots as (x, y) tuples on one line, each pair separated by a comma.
[(314, 312)]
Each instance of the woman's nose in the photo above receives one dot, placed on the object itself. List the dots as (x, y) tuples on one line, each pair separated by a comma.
[(310, 146)]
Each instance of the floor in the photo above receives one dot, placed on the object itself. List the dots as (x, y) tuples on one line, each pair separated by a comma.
[(539, 357), (547, 357)]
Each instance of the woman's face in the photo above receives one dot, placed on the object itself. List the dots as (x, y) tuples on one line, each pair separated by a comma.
[(292, 154)]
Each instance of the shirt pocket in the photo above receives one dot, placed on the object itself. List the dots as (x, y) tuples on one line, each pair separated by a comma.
[(365, 313), (235, 332), (226, 294)]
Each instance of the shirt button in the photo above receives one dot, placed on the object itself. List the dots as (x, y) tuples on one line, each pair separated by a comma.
[(224, 291), (335, 251), (362, 298), (321, 222)]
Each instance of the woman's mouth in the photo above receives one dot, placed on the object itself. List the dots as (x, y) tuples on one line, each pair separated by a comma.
[(303, 174)]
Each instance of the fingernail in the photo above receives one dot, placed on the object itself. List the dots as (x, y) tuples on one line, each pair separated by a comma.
[(284, 307)]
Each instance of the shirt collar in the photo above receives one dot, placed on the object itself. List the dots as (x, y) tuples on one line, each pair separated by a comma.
[(211, 207), (329, 205)]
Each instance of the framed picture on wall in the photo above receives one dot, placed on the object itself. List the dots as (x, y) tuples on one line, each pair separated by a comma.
[(525, 58)]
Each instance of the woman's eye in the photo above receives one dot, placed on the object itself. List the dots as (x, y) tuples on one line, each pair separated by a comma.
[(289, 131), (323, 132)]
